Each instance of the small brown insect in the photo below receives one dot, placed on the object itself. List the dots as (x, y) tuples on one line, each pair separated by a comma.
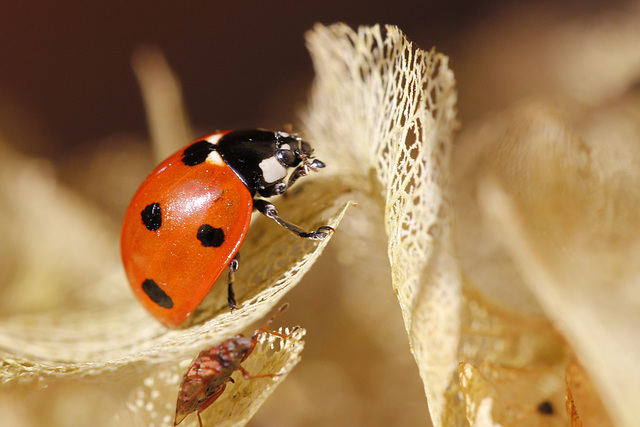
[(207, 376)]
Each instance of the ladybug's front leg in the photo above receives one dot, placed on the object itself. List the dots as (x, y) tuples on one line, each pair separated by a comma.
[(303, 169), (233, 267), (267, 209)]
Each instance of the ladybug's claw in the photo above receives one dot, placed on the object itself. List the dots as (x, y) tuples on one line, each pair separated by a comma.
[(233, 267), (320, 234)]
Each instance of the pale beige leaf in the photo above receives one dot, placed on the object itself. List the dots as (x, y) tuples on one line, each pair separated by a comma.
[(582, 399), (571, 224), (511, 365), (241, 399), (388, 109), (162, 96)]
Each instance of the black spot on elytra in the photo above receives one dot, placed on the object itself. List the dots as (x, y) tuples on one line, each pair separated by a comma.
[(545, 408), (197, 152), (156, 294), (210, 236), (152, 216)]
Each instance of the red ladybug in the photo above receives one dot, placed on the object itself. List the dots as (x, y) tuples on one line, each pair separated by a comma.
[(188, 219), (207, 376)]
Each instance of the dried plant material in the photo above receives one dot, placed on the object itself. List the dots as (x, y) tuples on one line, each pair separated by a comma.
[(514, 364), (582, 399), (555, 234), (389, 110), (394, 123), (240, 400), (49, 236), (570, 224), (492, 397), (162, 95)]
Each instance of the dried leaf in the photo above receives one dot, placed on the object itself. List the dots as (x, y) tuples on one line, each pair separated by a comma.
[(512, 365), (570, 224), (162, 96), (388, 109), (582, 399), (240, 400)]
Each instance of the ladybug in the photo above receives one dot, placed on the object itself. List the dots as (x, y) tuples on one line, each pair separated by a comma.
[(207, 376), (185, 224)]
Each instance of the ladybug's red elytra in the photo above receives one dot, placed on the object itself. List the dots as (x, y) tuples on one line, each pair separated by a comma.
[(207, 376), (185, 224)]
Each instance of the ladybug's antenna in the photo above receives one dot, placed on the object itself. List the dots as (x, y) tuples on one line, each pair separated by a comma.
[(305, 167), (314, 166)]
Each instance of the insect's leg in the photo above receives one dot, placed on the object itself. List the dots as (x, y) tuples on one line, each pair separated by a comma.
[(281, 310), (204, 405), (254, 338), (233, 267), (278, 334), (248, 376), (302, 170), (267, 209)]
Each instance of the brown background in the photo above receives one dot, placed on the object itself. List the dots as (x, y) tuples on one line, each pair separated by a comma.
[(242, 63)]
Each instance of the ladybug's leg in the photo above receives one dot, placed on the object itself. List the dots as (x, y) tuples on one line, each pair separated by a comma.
[(302, 170), (267, 209), (233, 267)]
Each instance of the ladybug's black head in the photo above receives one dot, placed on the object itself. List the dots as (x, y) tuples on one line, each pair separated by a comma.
[(263, 159)]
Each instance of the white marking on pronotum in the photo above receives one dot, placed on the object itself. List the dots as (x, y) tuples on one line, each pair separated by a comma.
[(285, 147), (213, 139), (272, 170), (214, 159)]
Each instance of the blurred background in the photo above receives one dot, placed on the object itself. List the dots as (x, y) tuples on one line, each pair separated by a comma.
[(241, 63), (67, 91)]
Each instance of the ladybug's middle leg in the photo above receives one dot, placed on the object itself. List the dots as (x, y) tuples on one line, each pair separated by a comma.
[(267, 209), (233, 267)]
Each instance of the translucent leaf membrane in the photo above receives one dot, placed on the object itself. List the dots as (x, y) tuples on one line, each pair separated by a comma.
[(240, 400), (571, 225), (547, 223), (583, 404), (493, 398), (387, 109), (511, 365)]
